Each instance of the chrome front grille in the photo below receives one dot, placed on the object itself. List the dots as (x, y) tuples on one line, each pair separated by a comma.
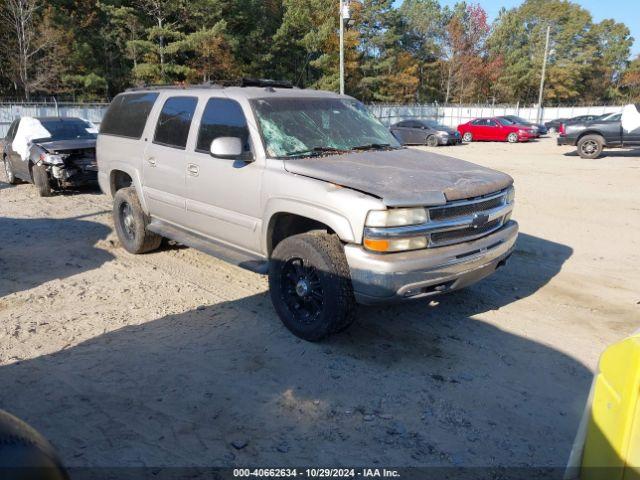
[(455, 222), (483, 208), (465, 234), (442, 213)]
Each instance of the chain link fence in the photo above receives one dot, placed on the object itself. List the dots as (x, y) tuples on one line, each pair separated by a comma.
[(454, 115), (9, 111), (450, 115)]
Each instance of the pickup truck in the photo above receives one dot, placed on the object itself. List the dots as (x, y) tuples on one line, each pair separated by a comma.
[(591, 137), (305, 186)]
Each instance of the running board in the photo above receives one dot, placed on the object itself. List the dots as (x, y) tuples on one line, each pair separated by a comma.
[(215, 248)]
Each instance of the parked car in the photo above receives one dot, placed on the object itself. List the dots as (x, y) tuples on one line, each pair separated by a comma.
[(307, 187), (50, 152), (613, 130), (554, 126), (538, 127), (495, 129), (421, 132)]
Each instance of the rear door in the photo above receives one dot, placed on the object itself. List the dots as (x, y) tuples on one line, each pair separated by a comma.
[(418, 133), (223, 195), (630, 121), (494, 131), (480, 129), (402, 132), (164, 162)]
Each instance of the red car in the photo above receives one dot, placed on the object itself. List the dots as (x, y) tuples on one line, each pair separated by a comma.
[(495, 129)]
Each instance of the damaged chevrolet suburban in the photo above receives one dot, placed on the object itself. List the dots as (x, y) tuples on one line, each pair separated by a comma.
[(53, 153), (305, 186)]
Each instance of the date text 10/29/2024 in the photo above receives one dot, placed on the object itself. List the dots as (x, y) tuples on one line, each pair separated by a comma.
[(315, 473)]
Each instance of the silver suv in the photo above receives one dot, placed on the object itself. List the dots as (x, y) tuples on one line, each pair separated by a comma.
[(305, 186)]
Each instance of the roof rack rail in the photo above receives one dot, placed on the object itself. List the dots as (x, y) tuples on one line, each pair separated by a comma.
[(242, 82)]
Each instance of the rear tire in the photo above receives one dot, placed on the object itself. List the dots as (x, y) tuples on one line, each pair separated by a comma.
[(590, 146), (512, 138), (41, 180), (131, 223), (432, 141), (467, 137), (310, 285), (8, 172)]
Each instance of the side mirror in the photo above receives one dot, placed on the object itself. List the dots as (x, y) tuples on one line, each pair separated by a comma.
[(229, 148)]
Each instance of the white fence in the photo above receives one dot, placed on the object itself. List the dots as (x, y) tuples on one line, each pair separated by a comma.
[(10, 111), (451, 115), (454, 115)]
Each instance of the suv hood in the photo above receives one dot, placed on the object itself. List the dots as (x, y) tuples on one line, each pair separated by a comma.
[(61, 145), (404, 177)]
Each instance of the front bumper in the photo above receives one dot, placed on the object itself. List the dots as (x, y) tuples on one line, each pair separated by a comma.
[(74, 176), (423, 273), (525, 137)]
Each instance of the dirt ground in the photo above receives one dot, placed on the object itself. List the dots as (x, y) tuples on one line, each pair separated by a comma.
[(177, 359)]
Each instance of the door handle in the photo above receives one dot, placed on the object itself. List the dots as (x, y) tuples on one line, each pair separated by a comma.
[(151, 161), (193, 169)]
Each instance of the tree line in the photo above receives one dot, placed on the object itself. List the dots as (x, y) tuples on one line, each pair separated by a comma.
[(419, 51)]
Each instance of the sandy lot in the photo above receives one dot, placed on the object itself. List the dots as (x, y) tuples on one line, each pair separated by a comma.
[(170, 359)]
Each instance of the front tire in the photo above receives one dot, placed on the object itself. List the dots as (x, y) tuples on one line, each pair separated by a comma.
[(590, 146), (467, 137), (41, 180), (131, 223), (512, 138), (432, 141), (310, 285), (8, 172)]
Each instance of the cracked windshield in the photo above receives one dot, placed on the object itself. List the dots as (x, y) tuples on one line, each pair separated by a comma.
[(299, 127)]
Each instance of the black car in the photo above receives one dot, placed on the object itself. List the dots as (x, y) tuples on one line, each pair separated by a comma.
[(51, 152), (606, 131), (538, 127), (425, 132), (554, 125)]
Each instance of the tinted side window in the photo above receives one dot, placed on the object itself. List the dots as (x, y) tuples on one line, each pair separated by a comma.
[(479, 121), (222, 118), (175, 121), (127, 115), (12, 130)]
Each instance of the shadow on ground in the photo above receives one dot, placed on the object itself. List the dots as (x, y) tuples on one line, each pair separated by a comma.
[(408, 385), (34, 251)]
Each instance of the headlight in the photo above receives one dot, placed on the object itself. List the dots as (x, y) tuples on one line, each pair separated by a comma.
[(396, 217), (395, 244), (442, 133), (511, 195), (53, 159)]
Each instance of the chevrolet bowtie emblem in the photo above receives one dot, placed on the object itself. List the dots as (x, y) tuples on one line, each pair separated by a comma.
[(480, 220)]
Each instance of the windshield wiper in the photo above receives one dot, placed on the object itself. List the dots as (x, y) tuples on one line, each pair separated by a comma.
[(373, 146), (316, 151)]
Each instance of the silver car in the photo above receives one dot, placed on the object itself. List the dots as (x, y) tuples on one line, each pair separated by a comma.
[(307, 187)]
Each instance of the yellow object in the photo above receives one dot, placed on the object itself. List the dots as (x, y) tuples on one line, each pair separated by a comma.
[(612, 443)]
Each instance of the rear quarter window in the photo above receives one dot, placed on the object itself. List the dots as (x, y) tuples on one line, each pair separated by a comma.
[(127, 115)]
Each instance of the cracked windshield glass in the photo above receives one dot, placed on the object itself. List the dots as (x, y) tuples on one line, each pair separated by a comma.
[(299, 127)]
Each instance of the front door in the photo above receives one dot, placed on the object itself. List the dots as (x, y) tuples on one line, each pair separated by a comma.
[(223, 195), (164, 162)]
